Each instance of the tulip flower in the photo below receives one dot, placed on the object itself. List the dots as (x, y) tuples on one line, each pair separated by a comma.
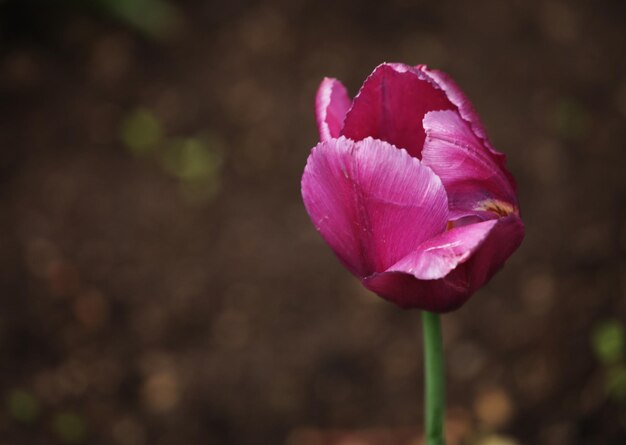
[(407, 190)]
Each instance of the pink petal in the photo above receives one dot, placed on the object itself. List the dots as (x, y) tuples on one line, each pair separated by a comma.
[(391, 105), (473, 255), (472, 177), (458, 98), (436, 257), (331, 105), (502, 241), (466, 110), (408, 292), (371, 202)]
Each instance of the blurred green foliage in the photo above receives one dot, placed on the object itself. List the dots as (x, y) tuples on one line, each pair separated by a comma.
[(570, 120), (141, 131), (191, 159), (23, 406), (195, 161), (616, 383), (152, 17), (608, 341), (69, 427), (155, 19)]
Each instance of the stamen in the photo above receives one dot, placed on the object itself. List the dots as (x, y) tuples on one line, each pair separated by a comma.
[(500, 207)]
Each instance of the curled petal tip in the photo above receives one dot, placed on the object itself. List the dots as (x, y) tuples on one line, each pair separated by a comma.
[(331, 105)]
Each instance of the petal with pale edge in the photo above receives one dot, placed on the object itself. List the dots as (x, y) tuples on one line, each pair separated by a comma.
[(436, 257), (467, 111), (371, 202), (331, 105), (458, 98), (473, 179), (464, 259), (391, 105)]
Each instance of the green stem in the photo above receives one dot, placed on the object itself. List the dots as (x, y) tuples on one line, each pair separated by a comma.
[(434, 379)]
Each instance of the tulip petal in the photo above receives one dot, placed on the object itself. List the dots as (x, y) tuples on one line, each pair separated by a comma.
[(503, 240), (436, 257), (331, 105), (467, 112), (473, 255), (408, 292), (473, 179), (391, 105), (459, 99), (371, 202)]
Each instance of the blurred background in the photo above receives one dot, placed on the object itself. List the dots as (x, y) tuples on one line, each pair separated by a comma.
[(161, 282)]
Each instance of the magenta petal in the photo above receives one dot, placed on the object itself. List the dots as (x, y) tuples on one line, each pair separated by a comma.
[(436, 257), (408, 292), (459, 99), (478, 253), (391, 105), (331, 105), (472, 177), (371, 202), (466, 110)]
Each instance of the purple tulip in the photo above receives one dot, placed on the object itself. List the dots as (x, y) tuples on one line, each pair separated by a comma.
[(407, 190)]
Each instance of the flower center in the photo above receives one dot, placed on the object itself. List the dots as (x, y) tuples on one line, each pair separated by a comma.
[(501, 208)]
